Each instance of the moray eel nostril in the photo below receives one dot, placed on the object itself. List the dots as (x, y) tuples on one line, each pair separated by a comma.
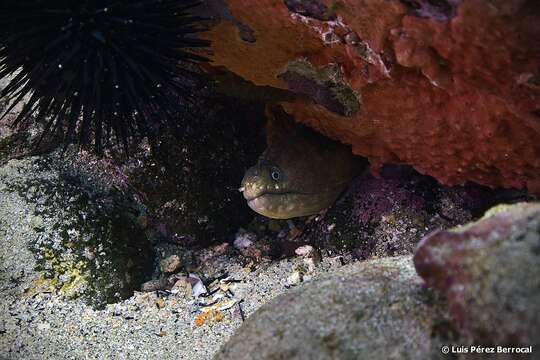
[(300, 174)]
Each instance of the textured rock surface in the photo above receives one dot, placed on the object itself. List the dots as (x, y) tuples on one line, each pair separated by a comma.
[(449, 87), (388, 216), (15, 143), (368, 310), (190, 182), (64, 230), (490, 273)]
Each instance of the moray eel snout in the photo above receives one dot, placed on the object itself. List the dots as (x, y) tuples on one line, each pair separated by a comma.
[(265, 190), (260, 180), (299, 175)]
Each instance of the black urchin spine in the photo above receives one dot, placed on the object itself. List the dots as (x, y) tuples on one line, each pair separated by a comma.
[(97, 68)]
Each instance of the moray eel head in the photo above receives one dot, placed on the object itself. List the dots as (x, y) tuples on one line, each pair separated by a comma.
[(300, 175), (266, 190)]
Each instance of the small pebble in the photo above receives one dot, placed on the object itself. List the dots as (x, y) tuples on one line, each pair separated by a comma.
[(153, 285), (170, 264), (304, 250), (183, 288), (294, 279), (160, 303)]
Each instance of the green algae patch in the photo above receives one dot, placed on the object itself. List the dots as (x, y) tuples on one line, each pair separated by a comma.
[(493, 211)]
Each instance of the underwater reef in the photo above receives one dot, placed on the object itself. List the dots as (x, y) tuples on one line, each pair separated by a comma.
[(237, 222)]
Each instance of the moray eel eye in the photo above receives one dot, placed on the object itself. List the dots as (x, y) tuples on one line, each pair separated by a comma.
[(275, 174)]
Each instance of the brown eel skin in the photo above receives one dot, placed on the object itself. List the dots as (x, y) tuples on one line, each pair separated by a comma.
[(299, 174)]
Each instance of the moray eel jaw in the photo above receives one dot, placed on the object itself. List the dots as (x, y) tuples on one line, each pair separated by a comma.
[(290, 205), (287, 205)]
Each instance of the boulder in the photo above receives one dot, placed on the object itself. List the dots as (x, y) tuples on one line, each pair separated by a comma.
[(489, 271), (367, 310), (449, 87), (64, 229)]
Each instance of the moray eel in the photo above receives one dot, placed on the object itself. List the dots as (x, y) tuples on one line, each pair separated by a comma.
[(299, 175)]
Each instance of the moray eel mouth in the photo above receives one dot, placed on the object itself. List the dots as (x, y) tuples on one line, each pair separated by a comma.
[(286, 205), (276, 206)]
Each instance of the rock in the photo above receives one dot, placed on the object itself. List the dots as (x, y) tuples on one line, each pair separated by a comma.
[(311, 257), (306, 250), (170, 264), (295, 278), (24, 139), (63, 229), (251, 246), (367, 310), (160, 303), (326, 86), (244, 239), (155, 284), (182, 287), (490, 273), (190, 179), (438, 85), (388, 216), (43, 327)]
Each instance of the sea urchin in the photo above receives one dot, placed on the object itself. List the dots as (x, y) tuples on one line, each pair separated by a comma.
[(98, 68)]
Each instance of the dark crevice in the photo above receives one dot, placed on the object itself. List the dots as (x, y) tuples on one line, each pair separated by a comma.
[(440, 10), (310, 8)]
